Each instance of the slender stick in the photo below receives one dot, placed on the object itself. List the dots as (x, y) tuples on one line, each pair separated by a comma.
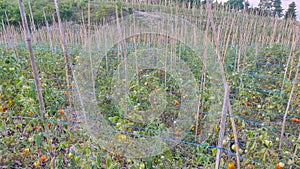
[(48, 31), (90, 50), (228, 38), (32, 59), (4, 34), (294, 44), (31, 17), (294, 41), (84, 30), (203, 79), (226, 101), (123, 47), (289, 103), (274, 32), (10, 35), (64, 48), (295, 152), (67, 58)]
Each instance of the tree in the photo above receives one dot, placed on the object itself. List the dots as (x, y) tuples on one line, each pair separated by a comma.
[(265, 6), (236, 4), (277, 11), (291, 11), (247, 4)]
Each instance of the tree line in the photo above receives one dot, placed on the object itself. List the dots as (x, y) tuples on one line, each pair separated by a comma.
[(266, 8), (271, 8), (70, 10), (75, 9)]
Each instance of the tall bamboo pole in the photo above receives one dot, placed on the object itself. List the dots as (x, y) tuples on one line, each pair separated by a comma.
[(48, 31), (4, 34), (295, 151), (32, 59), (289, 103), (203, 77), (11, 43), (65, 51), (226, 101), (31, 17), (90, 48), (67, 58)]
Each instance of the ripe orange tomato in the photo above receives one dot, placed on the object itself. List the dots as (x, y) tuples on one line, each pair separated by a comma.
[(295, 120), (36, 127), (49, 125), (278, 166), (230, 166), (26, 150), (176, 102), (199, 132), (61, 111), (30, 113), (43, 158), (178, 131), (4, 110), (246, 101)]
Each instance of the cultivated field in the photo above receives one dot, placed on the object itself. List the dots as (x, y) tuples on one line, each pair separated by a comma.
[(146, 87)]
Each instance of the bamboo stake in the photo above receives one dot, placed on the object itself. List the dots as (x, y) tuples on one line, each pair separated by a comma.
[(295, 152), (228, 38), (10, 35), (226, 101), (32, 59), (90, 48), (4, 34), (247, 42), (67, 58), (295, 40), (122, 40), (84, 30), (263, 36), (33, 28), (240, 49), (274, 32), (289, 102), (290, 60), (48, 31), (135, 54), (203, 77), (63, 45)]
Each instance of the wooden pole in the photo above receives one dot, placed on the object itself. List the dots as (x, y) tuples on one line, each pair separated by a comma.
[(67, 58), (32, 59), (65, 51), (226, 101), (289, 103)]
